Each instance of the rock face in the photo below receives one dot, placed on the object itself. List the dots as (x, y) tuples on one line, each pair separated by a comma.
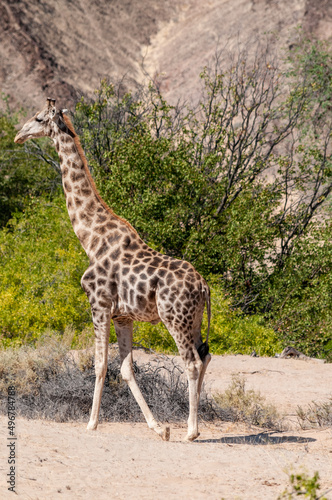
[(64, 48)]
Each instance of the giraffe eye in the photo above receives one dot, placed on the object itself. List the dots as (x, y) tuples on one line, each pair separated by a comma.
[(38, 120)]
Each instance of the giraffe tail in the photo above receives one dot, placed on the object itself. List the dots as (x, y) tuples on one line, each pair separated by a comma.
[(203, 349)]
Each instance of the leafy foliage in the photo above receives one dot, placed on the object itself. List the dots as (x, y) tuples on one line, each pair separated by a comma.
[(42, 263), (231, 331), (22, 175), (303, 485), (239, 185)]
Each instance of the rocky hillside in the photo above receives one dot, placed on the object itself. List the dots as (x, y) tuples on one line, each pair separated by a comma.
[(64, 48)]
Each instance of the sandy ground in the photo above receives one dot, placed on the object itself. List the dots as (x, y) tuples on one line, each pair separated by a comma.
[(128, 461)]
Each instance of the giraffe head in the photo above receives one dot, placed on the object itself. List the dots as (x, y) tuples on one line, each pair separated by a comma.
[(42, 123)]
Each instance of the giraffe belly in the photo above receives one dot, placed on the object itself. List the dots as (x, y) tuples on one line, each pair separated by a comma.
[(149, 314)]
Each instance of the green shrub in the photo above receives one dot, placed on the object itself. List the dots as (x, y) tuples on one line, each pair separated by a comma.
[(196, 183), (234, 332), (302, 485), (41, 266), (231, 331), (22, 174), (42, 263)]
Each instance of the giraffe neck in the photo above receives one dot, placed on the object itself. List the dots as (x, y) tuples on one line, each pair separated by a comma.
[(89, 214)]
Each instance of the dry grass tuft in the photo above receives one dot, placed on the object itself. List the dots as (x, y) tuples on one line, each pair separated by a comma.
[(55, 383), (316, 415), (27, 367), (248, 406)]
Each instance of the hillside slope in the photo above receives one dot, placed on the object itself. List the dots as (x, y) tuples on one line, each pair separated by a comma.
[(64, 48)]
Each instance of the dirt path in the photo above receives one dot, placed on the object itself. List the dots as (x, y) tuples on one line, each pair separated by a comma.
[(228, 461)]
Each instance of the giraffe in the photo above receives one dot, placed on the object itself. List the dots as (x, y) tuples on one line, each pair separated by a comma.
[(126, 280)]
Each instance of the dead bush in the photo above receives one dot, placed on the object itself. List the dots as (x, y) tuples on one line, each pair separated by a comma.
[(55, 383), (316, 415), (247, 406)]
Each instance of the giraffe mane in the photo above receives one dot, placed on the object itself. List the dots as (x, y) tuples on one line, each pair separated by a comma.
[(86, 168)]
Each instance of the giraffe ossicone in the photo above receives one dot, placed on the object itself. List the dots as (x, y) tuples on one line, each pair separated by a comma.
[(126, 280)]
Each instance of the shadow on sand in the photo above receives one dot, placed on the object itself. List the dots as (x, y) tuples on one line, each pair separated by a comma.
[(262, 438)]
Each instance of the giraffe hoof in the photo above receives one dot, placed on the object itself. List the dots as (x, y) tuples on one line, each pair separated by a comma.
[(91, 426), (166, 434), (191, 437)]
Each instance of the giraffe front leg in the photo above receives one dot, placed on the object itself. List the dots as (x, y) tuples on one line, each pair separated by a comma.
[(124, 333), (101, 321)]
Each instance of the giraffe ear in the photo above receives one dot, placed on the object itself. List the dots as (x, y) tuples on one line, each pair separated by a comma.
[(61, 124), (50, 103)]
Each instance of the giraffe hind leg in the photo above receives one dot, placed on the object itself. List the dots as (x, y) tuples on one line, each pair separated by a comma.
[(196, 358)]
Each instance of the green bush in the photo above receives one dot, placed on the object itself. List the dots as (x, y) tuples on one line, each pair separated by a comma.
[(42, 263), (196, 183), (22, 174), (300, 295), (41, 266), (303, 485), (231, 331)]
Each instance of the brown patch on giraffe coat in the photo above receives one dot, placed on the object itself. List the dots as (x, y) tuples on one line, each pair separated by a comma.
[(154, 281), (115, 254), (115, 269), (101, 218), (138, 269), (102, 250), (169, 279), (85, 218), (91, 206), (67, 187), (106, 264), (174, 265), (141, 301), (134, 246), (78, 201), (101, 270), (111, 225), (132, 279), (83, 236), (94, 242), (141, 287), (100, 229), (114, 238), (73, 220), (113, 287)]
